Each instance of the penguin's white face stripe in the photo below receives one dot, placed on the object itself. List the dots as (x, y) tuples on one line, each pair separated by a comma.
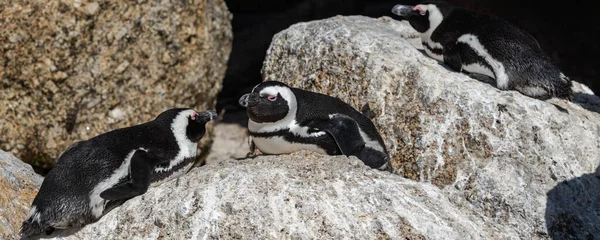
[(283, 123), (497, 67), (285, 93), (97, 203), (290, 98), (435, 18), (187, 148), (289, 121)]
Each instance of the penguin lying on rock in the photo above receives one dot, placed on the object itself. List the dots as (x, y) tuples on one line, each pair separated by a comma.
[(113, 167), (475, 43), (284, 120)]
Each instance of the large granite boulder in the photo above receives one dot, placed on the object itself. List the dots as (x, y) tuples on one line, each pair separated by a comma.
[(70, 70), (499, 150), (306, 195), (18, 186), (300, 196)]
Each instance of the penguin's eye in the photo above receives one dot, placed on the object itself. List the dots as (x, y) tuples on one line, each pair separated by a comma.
[(272, 98), (421, 11)]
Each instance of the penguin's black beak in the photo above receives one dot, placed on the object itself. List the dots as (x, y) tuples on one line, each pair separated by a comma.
[(249, 100), (404, 11), (206, 116)]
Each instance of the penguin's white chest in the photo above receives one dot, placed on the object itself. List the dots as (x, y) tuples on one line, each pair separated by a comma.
[(278, 145), (97, 203)]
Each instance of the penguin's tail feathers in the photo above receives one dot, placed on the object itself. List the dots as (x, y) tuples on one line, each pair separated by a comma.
[(34, 224), (31, 228), (564, 88)]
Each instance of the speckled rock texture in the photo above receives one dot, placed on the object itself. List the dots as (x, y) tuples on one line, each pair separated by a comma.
[(18, 186), (70, 70), (298, 196), (501, 151), (307, 195)]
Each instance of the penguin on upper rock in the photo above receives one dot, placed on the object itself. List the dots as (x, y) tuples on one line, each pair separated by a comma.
[(480, 44)]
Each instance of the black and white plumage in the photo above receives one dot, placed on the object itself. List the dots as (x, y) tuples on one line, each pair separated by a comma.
[(482, 44), (284, 120), (113, 167)]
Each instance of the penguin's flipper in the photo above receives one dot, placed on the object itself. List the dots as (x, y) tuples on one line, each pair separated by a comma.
[(452, 57), (344, 131), (140, 170)]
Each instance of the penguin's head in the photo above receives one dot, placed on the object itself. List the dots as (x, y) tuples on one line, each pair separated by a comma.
[(186, 123), (269, 102), (425, 16)]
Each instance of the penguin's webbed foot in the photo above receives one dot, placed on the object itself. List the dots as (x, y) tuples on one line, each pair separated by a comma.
[(252, 151)]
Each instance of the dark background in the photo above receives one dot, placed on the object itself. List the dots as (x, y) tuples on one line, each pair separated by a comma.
[(568, 32)]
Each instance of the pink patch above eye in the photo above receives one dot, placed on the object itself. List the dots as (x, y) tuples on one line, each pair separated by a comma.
[(421, 11), (272, 98)]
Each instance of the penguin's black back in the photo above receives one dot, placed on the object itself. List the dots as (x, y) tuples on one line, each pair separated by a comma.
[(85, 164), (524, 59), (312, 105), (489, 29)]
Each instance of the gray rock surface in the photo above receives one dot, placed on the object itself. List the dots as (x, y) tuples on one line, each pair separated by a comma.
[(231, 141), (70, 70), (18, 186), (301, 196), (501, 151)]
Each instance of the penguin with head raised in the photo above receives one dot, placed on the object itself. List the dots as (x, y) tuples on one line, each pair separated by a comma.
[(113, 167), (480, 44), (284, 120)]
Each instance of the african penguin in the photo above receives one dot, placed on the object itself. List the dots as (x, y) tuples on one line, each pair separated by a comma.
[(476, 43), (284, 120), (113, 167)]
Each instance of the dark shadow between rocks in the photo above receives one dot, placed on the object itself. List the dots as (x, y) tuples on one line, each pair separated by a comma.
[(573, 208), (587, 101)]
